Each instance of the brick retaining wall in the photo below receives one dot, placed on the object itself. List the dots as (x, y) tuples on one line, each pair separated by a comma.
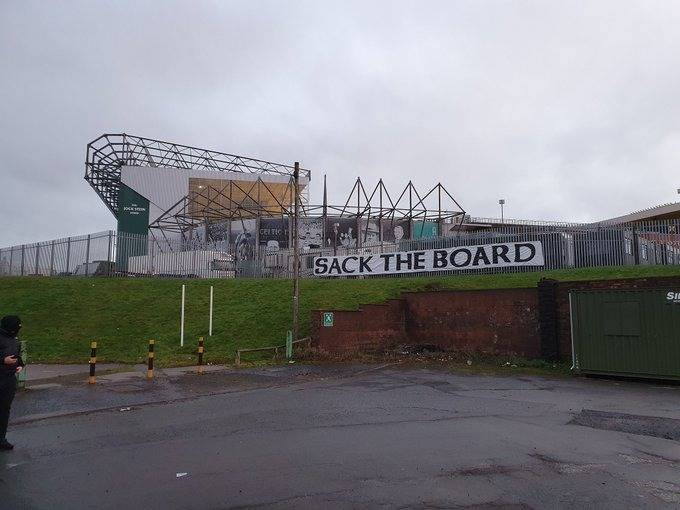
[(484, 321), (531, 322)]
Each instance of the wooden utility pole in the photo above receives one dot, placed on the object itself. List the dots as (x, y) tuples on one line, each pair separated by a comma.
[(296, 253)]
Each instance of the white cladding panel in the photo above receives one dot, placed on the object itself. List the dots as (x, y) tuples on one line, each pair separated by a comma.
[(164, 186), (202, 263)]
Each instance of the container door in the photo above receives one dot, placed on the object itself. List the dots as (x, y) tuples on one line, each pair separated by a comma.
[(627, 332)]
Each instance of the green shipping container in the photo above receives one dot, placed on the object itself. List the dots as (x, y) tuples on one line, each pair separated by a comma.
[(630, 333)]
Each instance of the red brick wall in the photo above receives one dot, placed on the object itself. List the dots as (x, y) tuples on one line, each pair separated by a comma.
[(371, 328), (490, 322), (499, 322)]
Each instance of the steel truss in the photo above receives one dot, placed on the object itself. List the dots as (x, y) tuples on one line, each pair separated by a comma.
[(214, 205), (107, 154)]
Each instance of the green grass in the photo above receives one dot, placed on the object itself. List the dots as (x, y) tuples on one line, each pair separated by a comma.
[(62, 315)]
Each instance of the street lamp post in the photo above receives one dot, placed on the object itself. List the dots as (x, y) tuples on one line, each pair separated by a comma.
[(502, 203)]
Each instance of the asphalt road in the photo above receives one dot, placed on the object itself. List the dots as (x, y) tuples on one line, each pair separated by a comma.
[(348, 437)]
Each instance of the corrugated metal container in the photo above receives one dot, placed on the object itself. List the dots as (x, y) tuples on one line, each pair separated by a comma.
[(630, 333)]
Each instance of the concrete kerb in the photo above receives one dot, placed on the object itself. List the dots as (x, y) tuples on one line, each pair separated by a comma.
[(168, 374), (46, 376)]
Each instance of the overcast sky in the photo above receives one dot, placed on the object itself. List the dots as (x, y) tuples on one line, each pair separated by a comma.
[(568, 110)]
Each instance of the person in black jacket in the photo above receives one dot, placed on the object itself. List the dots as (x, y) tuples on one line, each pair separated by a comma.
[(10, 365)]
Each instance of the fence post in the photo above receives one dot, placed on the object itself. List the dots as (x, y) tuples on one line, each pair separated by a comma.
[(37, 258), (52, 259), (68, 255), (152, 270), (11, 260), (108, 254), (23, 255), (87, 256)]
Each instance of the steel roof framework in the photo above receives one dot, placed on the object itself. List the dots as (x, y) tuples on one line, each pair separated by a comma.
[(107, 154), (435, 205)]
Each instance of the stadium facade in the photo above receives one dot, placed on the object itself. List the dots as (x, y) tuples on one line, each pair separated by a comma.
[(171, 199), (185, 211)]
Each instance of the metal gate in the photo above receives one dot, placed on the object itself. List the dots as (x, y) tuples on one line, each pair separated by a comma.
[(630, 333)]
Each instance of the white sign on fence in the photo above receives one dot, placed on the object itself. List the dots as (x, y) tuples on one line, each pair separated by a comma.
[(444, 259)]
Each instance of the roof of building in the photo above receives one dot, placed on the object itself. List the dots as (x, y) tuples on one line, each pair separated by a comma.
[(107, 154), (659, 212)]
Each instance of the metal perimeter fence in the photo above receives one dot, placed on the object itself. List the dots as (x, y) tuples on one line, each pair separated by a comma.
[(113, 254)]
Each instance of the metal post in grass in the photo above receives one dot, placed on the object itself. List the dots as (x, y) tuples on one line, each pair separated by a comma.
[(149, 369), (289, 345), (181, 320), (93, 362), (201, 348), (210, 322), (21, 376)]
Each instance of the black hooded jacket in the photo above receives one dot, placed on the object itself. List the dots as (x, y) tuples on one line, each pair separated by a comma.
[(9, 346)]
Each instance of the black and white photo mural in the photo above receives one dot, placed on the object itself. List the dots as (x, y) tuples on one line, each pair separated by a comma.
[(218, 231), (341, 232), (195, 237), (310, 233), (394, 231), (369, 232), (274, 234), (242, 238)]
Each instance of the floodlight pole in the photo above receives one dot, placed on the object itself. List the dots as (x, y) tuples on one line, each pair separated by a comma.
[(296, 253)]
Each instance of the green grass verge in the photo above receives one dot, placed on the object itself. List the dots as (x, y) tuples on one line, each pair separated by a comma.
[(62, 315)]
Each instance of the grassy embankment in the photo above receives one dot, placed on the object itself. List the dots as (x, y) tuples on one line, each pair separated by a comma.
[(62, 315)]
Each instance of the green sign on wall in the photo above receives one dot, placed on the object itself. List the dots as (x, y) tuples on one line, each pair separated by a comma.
[(328, 319), (133, 218), (133, 212)]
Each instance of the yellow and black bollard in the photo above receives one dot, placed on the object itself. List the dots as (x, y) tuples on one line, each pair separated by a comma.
[(201, 349), (149, 371), (93, 362)]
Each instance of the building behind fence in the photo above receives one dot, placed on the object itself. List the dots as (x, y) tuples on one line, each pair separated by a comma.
[(113, 253)]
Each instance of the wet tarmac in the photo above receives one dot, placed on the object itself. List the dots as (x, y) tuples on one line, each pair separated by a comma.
[(344, 436)]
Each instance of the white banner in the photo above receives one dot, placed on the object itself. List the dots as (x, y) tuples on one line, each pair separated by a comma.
[(444, 259)]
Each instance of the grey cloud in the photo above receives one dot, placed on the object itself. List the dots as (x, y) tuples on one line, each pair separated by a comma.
[(566, 109)]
